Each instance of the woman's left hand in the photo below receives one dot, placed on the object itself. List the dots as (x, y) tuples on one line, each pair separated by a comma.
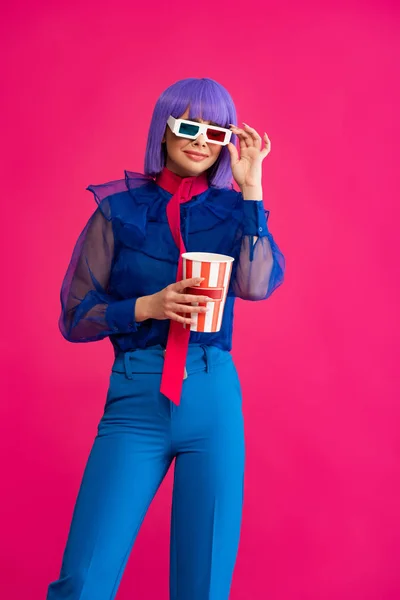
[(247, 170)]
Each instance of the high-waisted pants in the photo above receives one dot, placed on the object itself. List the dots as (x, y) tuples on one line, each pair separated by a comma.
[(138, 436)]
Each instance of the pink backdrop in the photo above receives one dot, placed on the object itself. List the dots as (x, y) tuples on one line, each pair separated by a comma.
[(319, 367)]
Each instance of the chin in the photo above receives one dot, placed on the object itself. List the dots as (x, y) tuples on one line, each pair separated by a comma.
[(187, 168), (191, 170), (195, 167)]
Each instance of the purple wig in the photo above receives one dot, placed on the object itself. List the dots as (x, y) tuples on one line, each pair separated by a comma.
[(207, 100)]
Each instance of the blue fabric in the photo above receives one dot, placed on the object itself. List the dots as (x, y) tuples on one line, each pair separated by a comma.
[(139, 435), (126, 251)]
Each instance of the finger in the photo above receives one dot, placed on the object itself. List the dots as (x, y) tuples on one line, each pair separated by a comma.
[(255, 136), (265, 151), (245, 140), (179, 318), (182, 308), (192, 298), (184, 283), (233, 151)]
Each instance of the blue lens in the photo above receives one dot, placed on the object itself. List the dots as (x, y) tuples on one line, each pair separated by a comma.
[(186, 129)]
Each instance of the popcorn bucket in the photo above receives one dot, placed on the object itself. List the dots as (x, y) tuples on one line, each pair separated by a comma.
[(216, 270)]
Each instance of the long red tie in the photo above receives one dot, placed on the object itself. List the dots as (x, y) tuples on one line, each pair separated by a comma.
[(183, 189)]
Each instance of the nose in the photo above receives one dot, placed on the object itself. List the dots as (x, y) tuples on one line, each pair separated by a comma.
[(201, 140)]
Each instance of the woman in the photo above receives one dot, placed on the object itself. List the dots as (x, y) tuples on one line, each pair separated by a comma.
[(125, 281)]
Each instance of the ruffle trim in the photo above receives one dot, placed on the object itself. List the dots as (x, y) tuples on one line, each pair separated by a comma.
[(114, 199)]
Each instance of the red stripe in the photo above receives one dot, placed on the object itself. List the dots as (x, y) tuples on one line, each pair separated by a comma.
[(220, 283), (205, 272), (189, 275), (222, 304), (189, 269)]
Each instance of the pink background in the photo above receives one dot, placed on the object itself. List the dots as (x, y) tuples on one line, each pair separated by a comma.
[(320, 374)]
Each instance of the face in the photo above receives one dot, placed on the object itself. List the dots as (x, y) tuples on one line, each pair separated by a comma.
[(179, 158)]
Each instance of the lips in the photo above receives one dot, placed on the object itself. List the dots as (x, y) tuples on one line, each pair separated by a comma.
[(195, 156)]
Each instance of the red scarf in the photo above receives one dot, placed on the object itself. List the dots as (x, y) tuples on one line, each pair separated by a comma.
[(183, 189)]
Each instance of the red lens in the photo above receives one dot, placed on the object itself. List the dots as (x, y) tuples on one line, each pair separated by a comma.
[(215, 135)]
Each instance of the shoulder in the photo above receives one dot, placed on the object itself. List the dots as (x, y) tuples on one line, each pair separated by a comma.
[(126, 201), (118, 198), (221, 207), (227, 201), (225, 195)]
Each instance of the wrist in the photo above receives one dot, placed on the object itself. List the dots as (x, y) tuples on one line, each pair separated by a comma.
[(252, 192), (142, 309)]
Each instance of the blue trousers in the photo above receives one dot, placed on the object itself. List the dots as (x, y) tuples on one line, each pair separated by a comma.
[(138, 436)]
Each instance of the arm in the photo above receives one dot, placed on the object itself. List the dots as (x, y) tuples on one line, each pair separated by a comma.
[(260, 265), (88, 312)]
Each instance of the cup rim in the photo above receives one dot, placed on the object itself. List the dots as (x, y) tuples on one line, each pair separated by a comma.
[(210, 257)]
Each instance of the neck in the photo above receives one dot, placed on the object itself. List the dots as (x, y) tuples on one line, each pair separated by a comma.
[(192, 185)]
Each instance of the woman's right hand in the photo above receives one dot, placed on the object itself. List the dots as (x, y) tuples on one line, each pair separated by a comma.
[(169, 302)]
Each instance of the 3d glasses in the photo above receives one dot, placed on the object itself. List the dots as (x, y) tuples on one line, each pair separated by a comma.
[(191, 130)]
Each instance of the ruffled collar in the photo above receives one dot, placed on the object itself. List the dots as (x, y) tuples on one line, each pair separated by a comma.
[(189, 186), (149, 202)]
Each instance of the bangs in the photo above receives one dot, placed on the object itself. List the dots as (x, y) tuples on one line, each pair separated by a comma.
[(205, 101)]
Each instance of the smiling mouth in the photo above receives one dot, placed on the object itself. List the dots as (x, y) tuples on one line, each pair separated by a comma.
[(195, 156)]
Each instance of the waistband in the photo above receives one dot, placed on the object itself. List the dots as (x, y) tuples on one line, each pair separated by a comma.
[(200, 357)]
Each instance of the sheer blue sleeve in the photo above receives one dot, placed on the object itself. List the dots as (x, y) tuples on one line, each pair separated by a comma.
[(88, 311), (260, 265)]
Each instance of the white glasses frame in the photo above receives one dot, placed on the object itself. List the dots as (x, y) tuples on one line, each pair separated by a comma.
[(174, 125)]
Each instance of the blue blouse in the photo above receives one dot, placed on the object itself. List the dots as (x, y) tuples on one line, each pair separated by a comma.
[(126, 251)]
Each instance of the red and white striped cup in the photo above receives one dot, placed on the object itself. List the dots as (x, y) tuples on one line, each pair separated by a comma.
[(216, 270)]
